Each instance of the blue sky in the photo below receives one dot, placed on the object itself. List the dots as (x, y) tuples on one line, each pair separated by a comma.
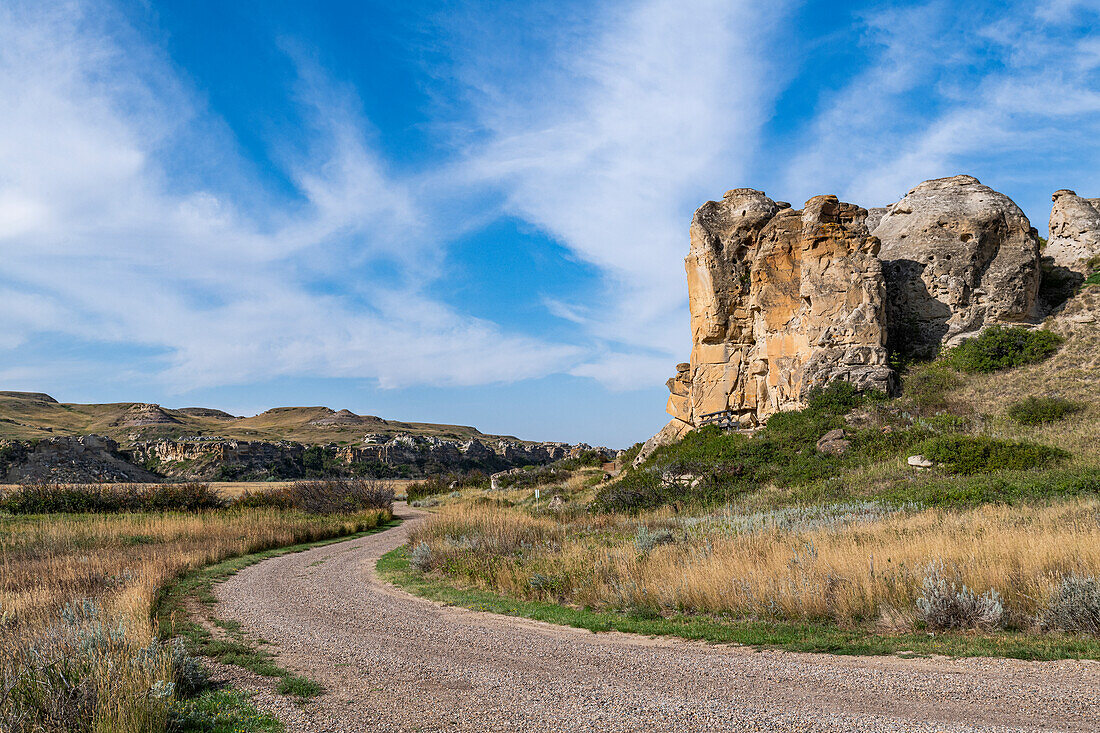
[(469, 212)]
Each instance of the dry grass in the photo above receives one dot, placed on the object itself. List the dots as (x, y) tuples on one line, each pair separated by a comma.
[(233, 489), (856, 565), (79, 589)]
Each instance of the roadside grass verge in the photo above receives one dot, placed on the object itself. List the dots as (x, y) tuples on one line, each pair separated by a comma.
[(173, 618), (222, 710), (828, 638), (79, 649)]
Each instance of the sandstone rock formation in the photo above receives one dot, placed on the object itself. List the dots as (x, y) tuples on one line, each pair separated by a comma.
[(1074, 231), (67, 459), (781, 301), (404, 454), (957, 256)]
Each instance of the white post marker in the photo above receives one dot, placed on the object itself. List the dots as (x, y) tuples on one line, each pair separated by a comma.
[(536, 500)]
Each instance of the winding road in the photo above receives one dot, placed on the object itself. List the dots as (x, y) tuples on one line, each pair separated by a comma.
[(393, 662)]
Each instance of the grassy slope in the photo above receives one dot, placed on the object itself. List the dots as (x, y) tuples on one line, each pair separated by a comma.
[(28, 416)]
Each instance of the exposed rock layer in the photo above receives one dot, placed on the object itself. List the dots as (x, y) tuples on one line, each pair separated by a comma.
[(67, 459), (1074, 230), (94, 458)]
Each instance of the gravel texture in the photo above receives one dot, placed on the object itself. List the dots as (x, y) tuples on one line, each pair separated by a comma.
[(393, 662)]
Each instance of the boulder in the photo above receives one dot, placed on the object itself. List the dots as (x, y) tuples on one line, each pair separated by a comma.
[(781, 301), (957, 256), (834, 443), (1074, 231), (919, 461)]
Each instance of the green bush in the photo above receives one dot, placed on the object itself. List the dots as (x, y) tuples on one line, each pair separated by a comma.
[(1003, 348), (1001, 488), (708, 466), (971, 454), (1038, 410), (110, 499), (328, 496), (446, 483), (926, 385)]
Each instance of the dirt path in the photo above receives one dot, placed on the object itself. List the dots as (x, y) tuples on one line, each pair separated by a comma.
[(393, 662)]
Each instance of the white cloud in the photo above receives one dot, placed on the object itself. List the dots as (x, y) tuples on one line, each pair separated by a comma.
[(99, 243), (612, 143), (1007, 92)]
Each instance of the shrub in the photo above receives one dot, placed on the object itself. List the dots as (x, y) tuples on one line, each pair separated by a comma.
[(1038, 410), (1003, 348), (110, 499), (422, 557), (944, 606), (926, 385), (1074, 606), (627, 457), (722, 466), (528, 478), (445, 483), (971, 454), (585, 459), (328, 496), (188, 674), (646, 539)]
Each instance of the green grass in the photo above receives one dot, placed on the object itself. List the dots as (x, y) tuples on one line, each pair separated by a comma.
[(173, 618), (299, 687), (1038, 410), (221, 711), (797, 637)]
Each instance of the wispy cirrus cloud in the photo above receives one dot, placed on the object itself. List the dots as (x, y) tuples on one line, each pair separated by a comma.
[(609, 145), (1011, 92), (101, 244)]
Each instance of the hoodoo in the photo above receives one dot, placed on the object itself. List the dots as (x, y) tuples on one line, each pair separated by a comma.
[(785, 300), (781, 301)]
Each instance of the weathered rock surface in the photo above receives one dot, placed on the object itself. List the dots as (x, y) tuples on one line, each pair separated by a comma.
[(786, 300), (1074, 230), (68, 459), (957, 256), (386, 455), (834, 443), (781, 301)]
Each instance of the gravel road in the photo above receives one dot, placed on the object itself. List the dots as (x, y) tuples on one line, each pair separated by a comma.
[(393, 662)]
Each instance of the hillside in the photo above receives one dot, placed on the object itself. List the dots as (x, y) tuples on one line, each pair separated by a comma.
[(32, 415)]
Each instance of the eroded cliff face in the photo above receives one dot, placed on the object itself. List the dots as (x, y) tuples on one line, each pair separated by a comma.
[(781, 301), (1074, 231), (957, 256)]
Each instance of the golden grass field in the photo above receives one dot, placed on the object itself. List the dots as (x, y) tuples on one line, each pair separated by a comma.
[(855, 566), (79, 589), (233, 489)]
